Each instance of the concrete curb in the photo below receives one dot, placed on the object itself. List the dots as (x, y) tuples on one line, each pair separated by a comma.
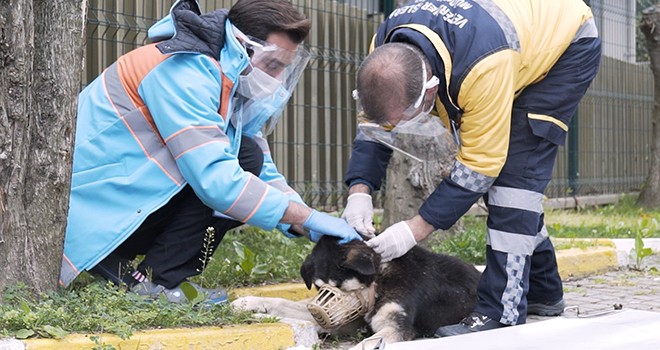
[(260, 336), (625, 249), (598, 255), (291, 291), (578, 262), (591, 256), (257, 336)]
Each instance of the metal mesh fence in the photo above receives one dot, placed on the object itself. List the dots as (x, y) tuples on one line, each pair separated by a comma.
[(608, 146), (610, 137)]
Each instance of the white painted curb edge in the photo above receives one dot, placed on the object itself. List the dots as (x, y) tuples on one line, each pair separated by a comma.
[(11, 344), (625, 249)]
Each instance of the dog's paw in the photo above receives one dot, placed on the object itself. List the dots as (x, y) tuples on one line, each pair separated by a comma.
[(250, 303), (370, 343), (378, 340)]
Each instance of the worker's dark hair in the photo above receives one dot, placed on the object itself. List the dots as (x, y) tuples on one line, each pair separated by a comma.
[(259, 18)]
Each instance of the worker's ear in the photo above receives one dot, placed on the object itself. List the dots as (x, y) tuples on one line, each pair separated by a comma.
[(432, 92)]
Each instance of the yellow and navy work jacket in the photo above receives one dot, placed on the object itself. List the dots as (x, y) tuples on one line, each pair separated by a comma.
[(157, 119), (484, 52)]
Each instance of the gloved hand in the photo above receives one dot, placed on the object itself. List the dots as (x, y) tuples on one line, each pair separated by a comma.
[(395, 241), (323, 224), (284, 228), (359, 213)]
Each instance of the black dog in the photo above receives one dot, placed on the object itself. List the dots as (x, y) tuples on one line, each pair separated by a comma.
[(414, 294)]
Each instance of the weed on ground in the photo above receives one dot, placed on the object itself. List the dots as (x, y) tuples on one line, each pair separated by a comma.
[(249, 256)]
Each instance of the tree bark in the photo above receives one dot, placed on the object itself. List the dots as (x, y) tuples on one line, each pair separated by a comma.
[(409, 182), (41, 62), (649, 196)]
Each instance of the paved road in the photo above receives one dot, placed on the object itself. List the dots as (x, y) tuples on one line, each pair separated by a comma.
[(632, 289), (629, 288)]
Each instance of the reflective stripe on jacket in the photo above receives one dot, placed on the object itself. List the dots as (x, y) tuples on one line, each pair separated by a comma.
[(485, 52), (154, 121)]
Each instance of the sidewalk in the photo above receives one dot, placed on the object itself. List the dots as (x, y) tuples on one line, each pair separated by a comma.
[(612, 310), (596, 278), (629, 288)]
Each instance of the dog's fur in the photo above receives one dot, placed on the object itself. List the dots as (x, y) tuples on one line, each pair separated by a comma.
[(414, 294)]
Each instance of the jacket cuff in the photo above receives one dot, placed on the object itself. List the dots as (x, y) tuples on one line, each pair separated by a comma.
[(353, 182), (448, 203), (368, 163)]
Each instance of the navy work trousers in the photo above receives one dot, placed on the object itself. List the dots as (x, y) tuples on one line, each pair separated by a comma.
[(521, 266)]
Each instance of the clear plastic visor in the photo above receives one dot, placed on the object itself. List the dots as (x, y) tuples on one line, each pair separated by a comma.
[(413, 109), (276, 71), (282, 64)]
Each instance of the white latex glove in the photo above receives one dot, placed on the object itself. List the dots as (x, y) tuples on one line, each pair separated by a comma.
[(359, 213), (397, 240)]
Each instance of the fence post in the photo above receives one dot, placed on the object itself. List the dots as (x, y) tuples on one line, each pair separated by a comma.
[(573, 158)]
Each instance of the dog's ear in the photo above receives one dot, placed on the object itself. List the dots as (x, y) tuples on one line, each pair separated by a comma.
[(361, 261), (307, 271)]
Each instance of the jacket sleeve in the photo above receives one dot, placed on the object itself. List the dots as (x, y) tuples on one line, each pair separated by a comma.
[(270, 174), (368, 163), (182, 95), (484, 138)]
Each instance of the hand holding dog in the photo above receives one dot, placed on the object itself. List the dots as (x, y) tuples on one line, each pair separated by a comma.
[(359, 213), (323, 224), (395, 241)]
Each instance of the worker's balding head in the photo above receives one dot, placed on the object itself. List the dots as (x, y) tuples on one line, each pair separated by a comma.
[(390, 80)]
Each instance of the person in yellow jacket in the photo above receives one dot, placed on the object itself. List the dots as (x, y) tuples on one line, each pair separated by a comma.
[(506, 76)]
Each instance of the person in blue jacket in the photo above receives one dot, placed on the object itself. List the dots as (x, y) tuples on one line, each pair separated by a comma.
[(506, 77), (170, 140)]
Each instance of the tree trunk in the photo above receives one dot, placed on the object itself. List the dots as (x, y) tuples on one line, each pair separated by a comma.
[(650, 25), (41, 63), (410, 181)]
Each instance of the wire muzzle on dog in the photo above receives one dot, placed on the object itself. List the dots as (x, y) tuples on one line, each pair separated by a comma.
[(333, 308)]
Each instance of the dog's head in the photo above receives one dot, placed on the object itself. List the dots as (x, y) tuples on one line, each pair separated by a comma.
[(348, 267)]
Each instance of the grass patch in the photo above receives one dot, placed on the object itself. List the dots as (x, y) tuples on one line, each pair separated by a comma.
[(98, 307), (469, 244), (621, 220), (249, 257)]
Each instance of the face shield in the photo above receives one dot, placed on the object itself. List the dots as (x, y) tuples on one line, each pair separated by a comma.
[(406, 137), (267, 84), (414, 109), (416, 125)]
